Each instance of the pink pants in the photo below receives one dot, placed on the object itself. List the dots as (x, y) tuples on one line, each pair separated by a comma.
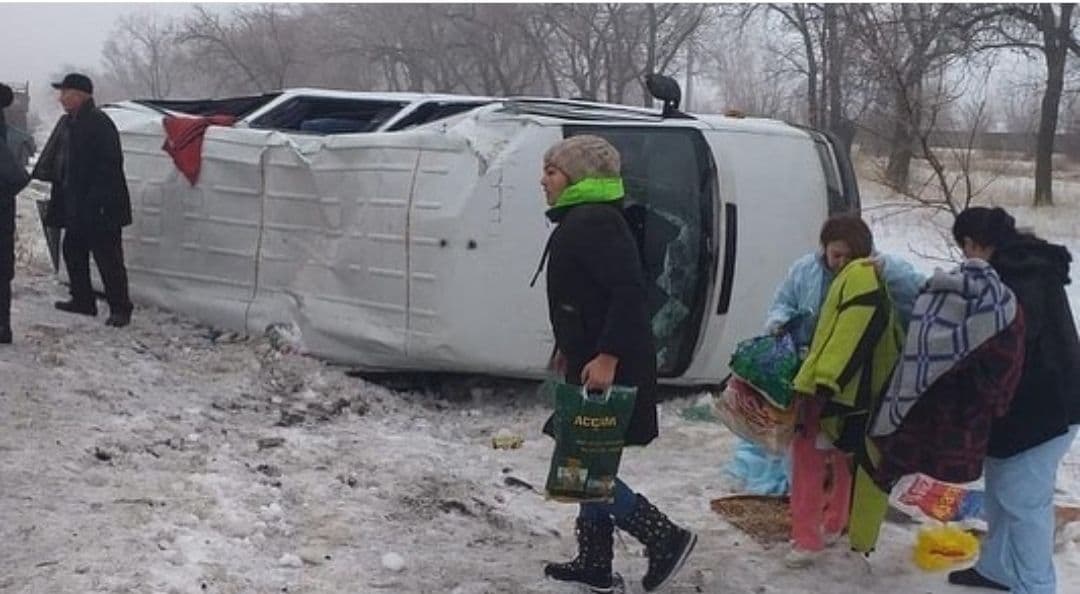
[(820, 489)]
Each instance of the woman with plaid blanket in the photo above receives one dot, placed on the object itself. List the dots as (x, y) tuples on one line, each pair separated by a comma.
[(1029, 441), (960, 367)]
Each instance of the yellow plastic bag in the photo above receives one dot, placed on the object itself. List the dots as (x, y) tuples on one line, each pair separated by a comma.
[(942, 547)]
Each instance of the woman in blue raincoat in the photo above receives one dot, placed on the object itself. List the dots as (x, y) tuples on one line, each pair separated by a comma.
[(795, 310)]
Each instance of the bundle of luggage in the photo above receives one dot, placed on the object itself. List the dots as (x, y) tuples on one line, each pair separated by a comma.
[(756, 402)]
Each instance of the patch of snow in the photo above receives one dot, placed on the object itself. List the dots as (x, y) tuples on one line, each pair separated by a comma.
[(393, 562), (188, 501), (290, 560)]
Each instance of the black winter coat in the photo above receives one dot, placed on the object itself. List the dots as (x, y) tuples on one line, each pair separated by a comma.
[(596, 301), (1047, 400), (85, 164), (13, 179)]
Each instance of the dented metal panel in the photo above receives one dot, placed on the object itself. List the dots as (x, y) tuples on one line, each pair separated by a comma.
[(334, 243), (372, 245)]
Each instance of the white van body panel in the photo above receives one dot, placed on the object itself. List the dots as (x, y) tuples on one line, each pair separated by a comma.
[(413, 250), (776, 184)]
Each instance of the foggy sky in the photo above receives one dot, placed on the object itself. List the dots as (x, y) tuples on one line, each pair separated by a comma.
[(37, 40)]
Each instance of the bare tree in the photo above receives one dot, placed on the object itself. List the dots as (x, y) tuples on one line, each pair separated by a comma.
[(142, 55), (950, 171), (905, 45), (602, 51), (1050, 30), (812, 44), (806, 20), (741, 74), (670, 29), (255, 49), (443, 48), (1017, 106), (497, 43), (578, 44), (957, 186)]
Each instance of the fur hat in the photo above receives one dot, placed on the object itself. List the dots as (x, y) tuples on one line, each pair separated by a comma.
[(584, 156)]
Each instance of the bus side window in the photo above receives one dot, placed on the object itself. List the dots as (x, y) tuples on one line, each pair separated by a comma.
[(667, 174)]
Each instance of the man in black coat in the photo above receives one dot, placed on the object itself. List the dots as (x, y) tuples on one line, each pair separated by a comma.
[(90, 200)]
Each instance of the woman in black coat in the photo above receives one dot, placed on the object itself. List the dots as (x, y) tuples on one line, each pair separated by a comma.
[(1028, 443), (13, 178), (596, 300)]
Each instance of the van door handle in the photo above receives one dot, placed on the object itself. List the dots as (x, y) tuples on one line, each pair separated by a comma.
[(727, 278)]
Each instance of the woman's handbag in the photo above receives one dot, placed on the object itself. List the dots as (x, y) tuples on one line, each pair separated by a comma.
[(590, 431)]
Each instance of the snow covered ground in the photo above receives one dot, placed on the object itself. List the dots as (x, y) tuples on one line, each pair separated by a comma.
[(169, 457)]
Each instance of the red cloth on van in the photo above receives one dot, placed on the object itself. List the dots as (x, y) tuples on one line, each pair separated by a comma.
[(184, 138)]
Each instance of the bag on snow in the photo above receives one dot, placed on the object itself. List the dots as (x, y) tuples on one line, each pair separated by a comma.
[(590, 431), (769, 364), (943, 547), (753, 417), (925, 498)]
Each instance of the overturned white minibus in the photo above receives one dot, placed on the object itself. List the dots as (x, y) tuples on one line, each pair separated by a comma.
[(412, 247)]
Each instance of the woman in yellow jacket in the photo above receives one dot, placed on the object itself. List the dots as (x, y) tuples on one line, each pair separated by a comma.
[(856, 344)]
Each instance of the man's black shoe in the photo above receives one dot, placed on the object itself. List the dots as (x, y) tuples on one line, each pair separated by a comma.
[(118, 320), (86, 309)]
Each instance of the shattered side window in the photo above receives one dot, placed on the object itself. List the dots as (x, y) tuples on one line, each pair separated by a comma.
[(434, 111), (237, 107), (329, 115), (668, 175)]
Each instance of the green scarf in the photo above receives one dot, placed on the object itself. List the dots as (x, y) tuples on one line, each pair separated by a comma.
[(591, 190)]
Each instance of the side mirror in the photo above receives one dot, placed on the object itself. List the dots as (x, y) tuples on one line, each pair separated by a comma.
[(666, 90)]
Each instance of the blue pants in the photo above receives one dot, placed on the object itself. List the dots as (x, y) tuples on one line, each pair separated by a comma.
[(623, 506), (1019, 550)]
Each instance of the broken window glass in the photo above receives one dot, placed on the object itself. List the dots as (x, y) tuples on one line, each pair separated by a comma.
[(669, 179)]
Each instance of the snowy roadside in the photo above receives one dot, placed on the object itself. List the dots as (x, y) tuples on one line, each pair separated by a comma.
[(168, 457)]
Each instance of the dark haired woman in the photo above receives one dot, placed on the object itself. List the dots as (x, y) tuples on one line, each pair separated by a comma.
[(1028, 443)]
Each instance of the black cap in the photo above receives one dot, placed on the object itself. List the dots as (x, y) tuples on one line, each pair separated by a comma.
[(79, 82)]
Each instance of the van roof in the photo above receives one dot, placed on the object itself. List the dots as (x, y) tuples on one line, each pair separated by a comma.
[(756, 125), (402, 96), (547, 107), (578, 110)]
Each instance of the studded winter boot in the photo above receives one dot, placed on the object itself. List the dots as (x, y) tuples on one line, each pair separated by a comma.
[(592, 566), (666, 545)]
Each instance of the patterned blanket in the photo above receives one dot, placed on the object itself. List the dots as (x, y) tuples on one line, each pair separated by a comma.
[(956, 313)]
